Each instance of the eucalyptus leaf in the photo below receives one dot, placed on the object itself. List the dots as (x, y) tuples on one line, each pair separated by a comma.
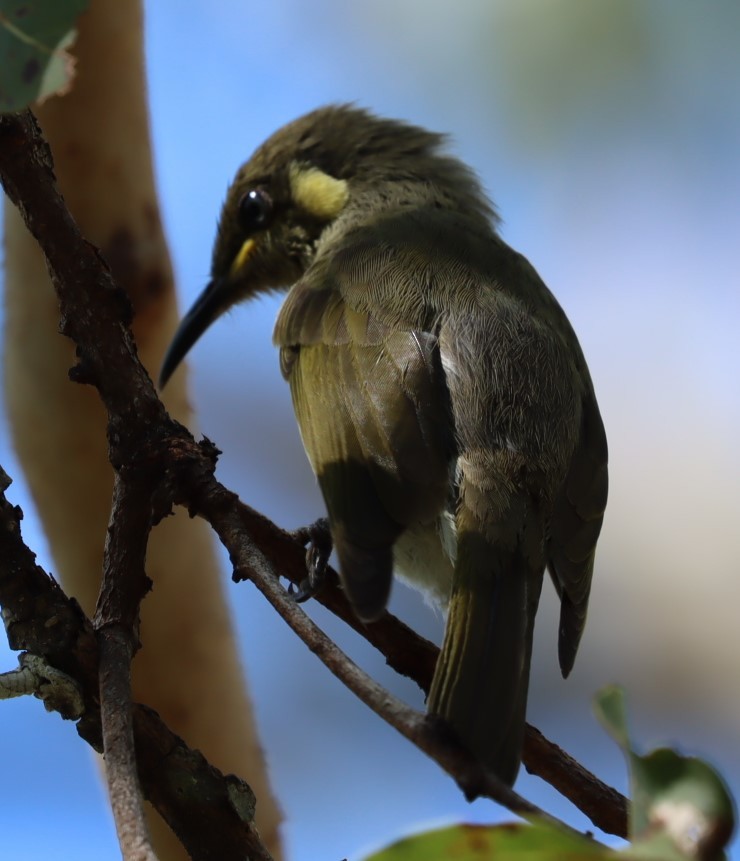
[(678, 802), (536, 842), (34, 37)]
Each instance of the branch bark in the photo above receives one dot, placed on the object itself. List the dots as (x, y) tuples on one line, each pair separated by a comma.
[(211, 813), (428, 735), (116, 620), (100, 135), (414, 657), (127, 802)]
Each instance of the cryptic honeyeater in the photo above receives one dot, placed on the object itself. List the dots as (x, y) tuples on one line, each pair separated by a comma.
[(442, 396)]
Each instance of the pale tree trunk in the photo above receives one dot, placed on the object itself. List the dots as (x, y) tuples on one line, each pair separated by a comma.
[(188, 669)]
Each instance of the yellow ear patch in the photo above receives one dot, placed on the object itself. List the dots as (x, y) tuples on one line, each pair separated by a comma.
[(318, 193)]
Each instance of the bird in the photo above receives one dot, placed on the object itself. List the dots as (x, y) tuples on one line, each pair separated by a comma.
[(441, 394)]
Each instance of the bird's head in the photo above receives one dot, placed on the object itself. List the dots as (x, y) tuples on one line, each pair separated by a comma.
[(328, 171)]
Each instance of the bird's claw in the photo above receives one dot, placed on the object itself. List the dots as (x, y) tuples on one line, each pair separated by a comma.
[(319, 545)]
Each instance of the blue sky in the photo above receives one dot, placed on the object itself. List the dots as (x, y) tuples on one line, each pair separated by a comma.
[(609, 141)]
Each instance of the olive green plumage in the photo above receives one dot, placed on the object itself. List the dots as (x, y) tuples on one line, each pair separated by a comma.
[(441, 393)]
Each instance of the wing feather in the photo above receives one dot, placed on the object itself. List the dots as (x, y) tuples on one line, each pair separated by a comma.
[(370, 403)]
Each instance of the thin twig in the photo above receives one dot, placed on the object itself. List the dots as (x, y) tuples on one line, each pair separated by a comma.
[(118, 744), (58, 691), (122, 589), (411, 655)]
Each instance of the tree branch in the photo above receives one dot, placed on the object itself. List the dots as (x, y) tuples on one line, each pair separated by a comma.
[(211, 813), (428, 735), (124, 585), (414, 657), (118, 746), (58, 691)]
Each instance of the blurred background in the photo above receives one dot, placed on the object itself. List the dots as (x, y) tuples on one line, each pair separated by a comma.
[(608, 135)]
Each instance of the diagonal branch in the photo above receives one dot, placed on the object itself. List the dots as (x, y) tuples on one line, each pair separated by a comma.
[(428, 735), (414, 657)]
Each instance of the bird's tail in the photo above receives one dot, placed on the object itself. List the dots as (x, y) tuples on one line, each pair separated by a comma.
[(482, 676)]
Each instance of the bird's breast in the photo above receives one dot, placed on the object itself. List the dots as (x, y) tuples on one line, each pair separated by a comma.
[(424, 558)]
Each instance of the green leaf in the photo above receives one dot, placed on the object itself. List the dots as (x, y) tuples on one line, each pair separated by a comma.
[(611, 710), (681, 807), (538, 842), (684, 798), (34, 62)]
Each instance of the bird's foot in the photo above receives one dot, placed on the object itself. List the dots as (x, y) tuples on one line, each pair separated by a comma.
[(319, 545)]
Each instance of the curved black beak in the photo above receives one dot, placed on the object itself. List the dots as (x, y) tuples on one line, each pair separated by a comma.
[(207, 308)]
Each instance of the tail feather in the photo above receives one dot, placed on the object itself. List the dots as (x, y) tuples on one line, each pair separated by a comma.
[(572, 623), (481, 680)]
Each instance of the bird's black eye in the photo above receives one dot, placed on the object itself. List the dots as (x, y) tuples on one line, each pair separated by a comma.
[(255, 210)]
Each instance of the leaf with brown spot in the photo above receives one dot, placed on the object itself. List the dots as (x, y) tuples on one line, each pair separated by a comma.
[(538, 842), (34, 37), (681, 806)]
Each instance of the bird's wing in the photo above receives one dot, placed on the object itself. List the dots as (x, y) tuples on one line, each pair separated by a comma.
[(373, 413), (575, 526), (418, 343)]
